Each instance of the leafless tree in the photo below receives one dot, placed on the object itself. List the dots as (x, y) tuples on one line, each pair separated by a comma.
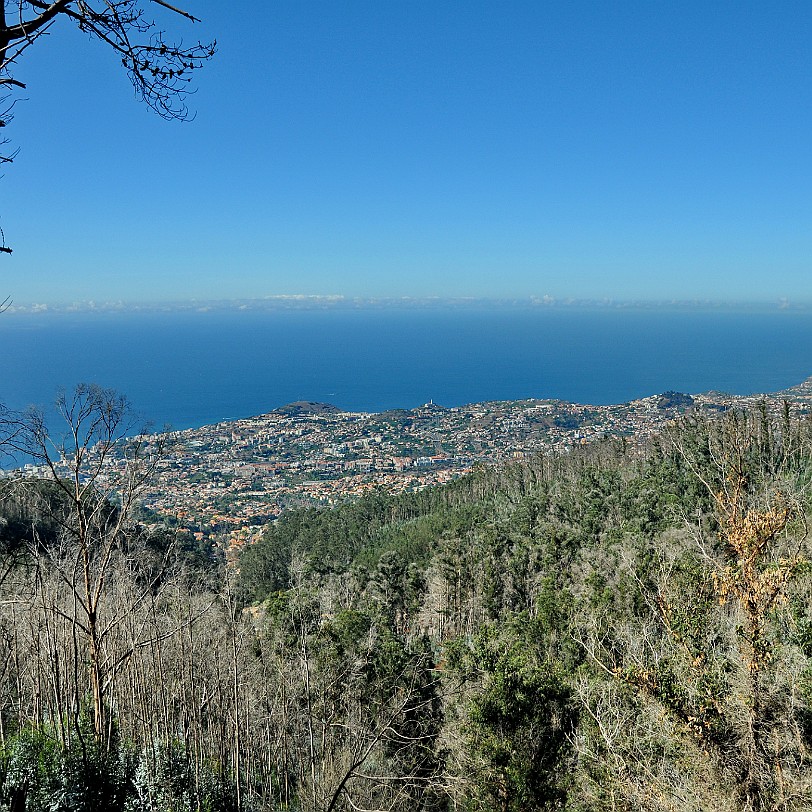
[(97, 474), (159, 68)]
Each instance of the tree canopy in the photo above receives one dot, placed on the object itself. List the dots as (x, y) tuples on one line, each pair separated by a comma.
[(623, 627)]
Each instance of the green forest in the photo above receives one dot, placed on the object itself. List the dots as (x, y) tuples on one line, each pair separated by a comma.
[(624, 627)]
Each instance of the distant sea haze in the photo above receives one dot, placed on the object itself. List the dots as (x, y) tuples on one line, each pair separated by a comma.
[(190, 369)]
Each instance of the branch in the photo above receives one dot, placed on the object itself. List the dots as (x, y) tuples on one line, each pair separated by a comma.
[(24, 29), (176, 10)]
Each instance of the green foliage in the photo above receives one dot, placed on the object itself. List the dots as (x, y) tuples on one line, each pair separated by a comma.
[(354, 535), (31, 767), (518, 722), (164, 781), (40, 775), (546, 635)]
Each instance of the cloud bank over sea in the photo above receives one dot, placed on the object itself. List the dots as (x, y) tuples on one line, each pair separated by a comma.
[(283, 302)]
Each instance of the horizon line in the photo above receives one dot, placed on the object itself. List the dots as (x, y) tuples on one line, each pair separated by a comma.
[(276, 302)]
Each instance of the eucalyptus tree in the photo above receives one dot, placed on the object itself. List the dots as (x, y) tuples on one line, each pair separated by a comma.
[(90, 576)]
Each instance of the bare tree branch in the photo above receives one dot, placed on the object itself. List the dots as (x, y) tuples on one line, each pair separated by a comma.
[(160, 69)]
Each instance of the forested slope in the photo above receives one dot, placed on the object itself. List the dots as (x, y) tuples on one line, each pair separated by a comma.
[(618, 628)]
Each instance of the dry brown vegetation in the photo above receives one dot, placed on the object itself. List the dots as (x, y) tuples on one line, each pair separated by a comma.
[(611, 630)]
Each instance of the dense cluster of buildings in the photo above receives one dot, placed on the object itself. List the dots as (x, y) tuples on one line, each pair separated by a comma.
[(243, 473), (231, 478)]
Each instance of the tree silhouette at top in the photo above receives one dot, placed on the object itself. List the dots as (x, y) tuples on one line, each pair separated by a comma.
[(159, 67)]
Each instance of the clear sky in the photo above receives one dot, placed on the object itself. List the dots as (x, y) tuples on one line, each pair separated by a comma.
[(634, 149)]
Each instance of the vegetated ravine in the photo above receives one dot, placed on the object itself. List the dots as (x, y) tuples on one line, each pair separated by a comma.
[(615, 628)]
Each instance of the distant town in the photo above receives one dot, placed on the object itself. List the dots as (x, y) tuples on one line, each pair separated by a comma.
[(231, 478)]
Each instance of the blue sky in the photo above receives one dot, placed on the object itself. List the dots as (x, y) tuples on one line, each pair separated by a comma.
[(635, 150)]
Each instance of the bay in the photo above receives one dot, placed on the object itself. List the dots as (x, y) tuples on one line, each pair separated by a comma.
[(188, 369)]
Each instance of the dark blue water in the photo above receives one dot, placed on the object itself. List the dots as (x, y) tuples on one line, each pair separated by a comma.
[(190, 369)]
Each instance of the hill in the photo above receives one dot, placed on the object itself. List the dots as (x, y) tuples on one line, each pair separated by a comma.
[(622, 626), (306, 407)]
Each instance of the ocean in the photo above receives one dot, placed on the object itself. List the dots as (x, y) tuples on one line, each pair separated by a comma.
[(185, 369)]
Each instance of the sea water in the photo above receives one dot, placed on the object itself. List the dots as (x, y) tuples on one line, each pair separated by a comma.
[(189, 369)]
